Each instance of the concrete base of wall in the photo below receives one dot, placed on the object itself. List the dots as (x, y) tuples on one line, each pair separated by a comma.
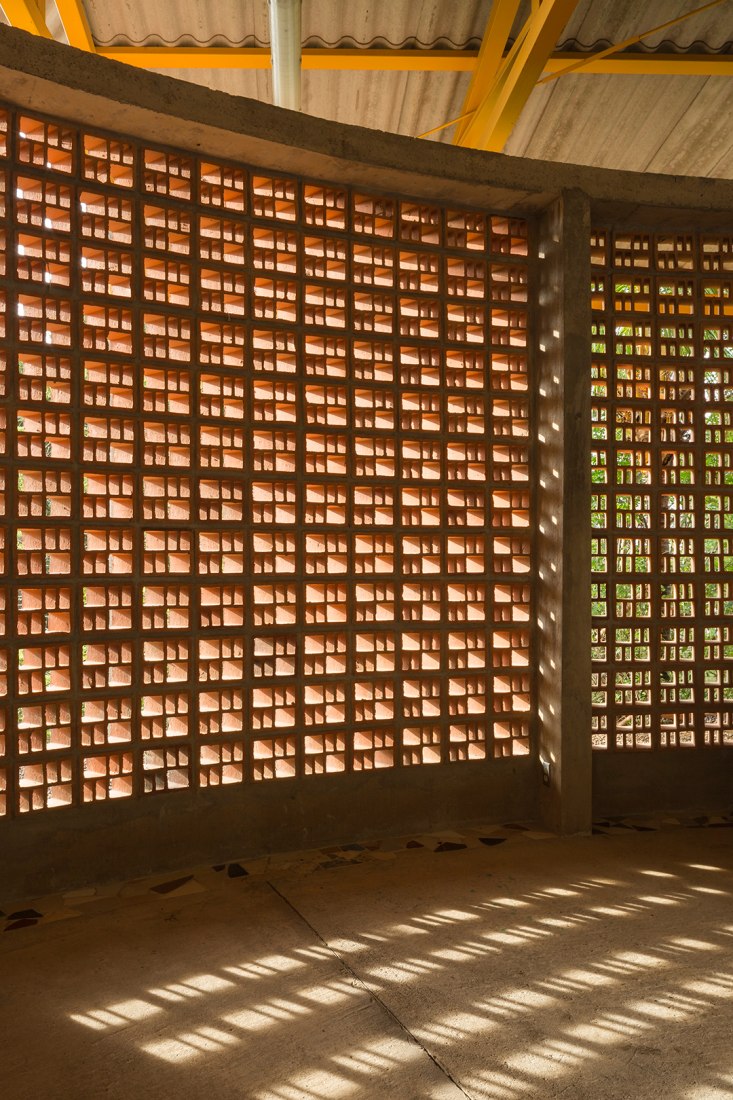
[(66, 849), (632, 783)]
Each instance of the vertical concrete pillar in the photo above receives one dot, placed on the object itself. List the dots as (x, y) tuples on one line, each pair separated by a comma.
[(562, 458)]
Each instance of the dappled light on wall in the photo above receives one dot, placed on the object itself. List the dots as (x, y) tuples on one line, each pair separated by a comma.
[(267, 497)]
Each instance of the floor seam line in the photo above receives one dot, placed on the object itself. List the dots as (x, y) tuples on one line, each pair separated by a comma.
[(371, 993)]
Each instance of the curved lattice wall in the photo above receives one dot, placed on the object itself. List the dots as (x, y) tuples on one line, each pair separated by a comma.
[(267, 499), (298, 472), (662, 484)]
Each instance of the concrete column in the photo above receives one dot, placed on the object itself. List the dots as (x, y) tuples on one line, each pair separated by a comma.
[(562, 459)]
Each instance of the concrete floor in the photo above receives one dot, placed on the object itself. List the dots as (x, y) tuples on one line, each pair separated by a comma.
[(598, 968)]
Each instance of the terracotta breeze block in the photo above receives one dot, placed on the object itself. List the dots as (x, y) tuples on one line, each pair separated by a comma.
[(265, 474)]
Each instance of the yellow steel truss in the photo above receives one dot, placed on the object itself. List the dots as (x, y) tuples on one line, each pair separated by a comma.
[(501, 80), (491, 55), (75, 23), (27, 15), (510, 86)]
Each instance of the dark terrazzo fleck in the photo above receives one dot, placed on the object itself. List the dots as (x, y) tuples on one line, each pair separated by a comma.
[(235, 870), (169, 887)]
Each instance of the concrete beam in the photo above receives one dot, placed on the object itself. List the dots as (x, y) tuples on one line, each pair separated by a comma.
[(40, 75)]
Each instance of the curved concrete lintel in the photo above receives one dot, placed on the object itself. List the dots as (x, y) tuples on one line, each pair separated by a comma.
[(50, 78)]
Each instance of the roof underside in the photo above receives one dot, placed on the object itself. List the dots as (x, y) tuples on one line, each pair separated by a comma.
[(660, 123)]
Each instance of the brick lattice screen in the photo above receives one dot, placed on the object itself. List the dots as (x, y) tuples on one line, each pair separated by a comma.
[(266, 496), (663, 490)]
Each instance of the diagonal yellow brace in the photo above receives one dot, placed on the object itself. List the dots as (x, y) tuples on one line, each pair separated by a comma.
[(495, 116), (75, 24), (491, 55), (26, 15), (581, 63), (641, 64)]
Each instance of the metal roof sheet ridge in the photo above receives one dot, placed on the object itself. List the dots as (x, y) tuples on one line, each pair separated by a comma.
[(442, 42), (666, 46)]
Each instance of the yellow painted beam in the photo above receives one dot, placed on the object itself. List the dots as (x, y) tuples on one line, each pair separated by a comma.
[(232, 57), (75, 23), (652, 64), (371, 60), (491, 55), (495, 116), (428, 61), (26, 15), (188, 57)]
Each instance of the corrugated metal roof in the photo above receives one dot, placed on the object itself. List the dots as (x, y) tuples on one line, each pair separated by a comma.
[(658, 123), (398, 102), (401, 103), (598, 23), (669, 124), (398, 23), (407, 23), (250, 83), (178, 22), (677, 124)]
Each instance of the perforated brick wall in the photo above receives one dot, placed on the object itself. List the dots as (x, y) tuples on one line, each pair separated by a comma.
[(663, 490), (266, 496)]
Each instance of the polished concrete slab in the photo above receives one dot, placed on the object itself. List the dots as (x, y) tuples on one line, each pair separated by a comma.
[(498, 964)]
